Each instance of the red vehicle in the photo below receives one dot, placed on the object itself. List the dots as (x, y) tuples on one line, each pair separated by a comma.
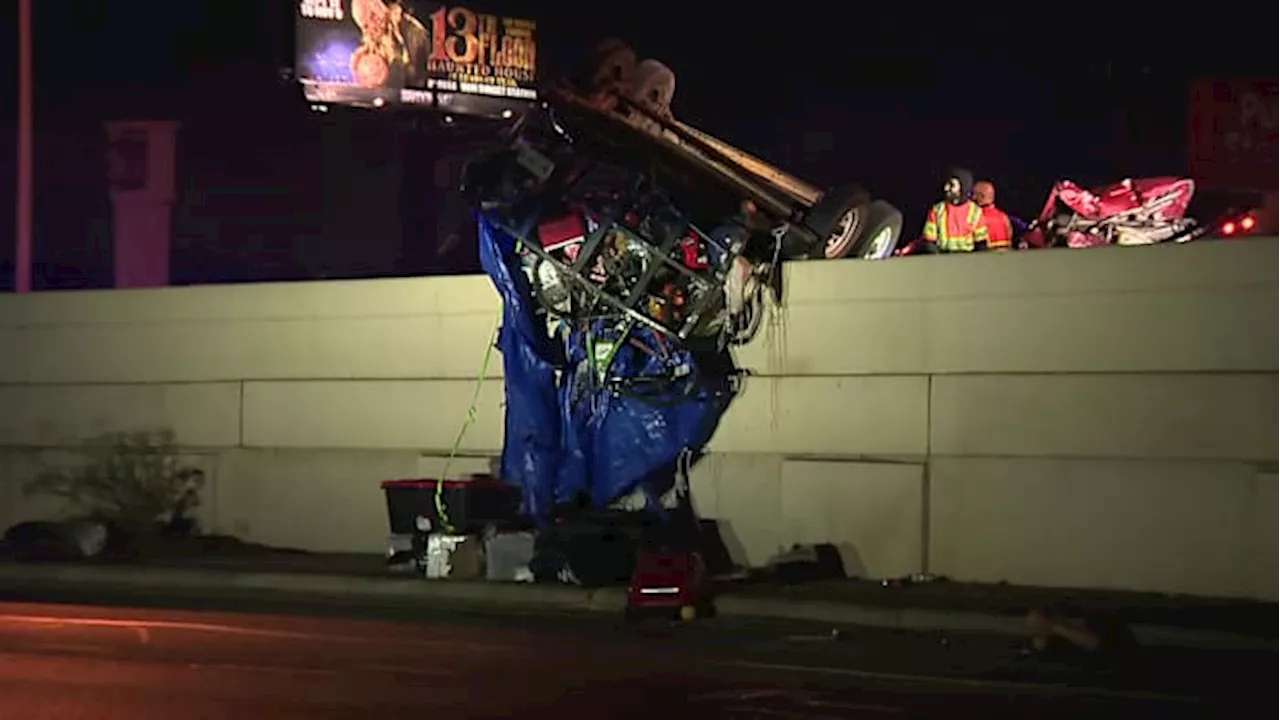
[(1142, 211)]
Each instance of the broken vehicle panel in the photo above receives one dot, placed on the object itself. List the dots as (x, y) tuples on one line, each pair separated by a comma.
[(632, 253), (615, 332), (602, 408), (1141, 211)]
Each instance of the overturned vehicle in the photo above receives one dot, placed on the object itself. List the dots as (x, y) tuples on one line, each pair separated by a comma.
[(632, 252), (618, 207)]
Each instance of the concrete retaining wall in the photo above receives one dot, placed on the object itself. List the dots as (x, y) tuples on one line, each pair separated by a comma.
[(1101, 418)]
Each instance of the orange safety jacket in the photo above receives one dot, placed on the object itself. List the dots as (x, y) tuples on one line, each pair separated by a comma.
[(955, 228), (999, 228)]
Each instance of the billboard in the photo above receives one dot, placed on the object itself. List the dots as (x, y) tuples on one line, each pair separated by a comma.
[(1233, 133), (405, 52)]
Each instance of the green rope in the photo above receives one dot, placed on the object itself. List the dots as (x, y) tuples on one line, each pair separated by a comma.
[(441, 511)]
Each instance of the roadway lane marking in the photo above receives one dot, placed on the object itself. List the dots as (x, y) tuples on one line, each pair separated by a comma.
[(82, 653), (73, 648), (794, 697), (968, 682), (143, 628), (279, 669), (292, 669), (740, 695), (857, 707), (144, 635), (436, 671), (755, 712)]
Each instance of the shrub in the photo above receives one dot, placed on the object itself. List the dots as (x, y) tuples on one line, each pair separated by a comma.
[(133, 479)]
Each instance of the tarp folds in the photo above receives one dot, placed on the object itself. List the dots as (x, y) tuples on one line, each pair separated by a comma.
[(531, 451), (568, 429)]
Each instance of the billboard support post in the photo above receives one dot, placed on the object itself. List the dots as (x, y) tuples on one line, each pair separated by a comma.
[(25, 196)]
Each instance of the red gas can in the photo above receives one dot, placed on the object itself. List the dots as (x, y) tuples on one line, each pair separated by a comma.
[(669, 583)]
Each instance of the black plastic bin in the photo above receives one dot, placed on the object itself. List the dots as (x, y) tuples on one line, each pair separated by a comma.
[(469, 504)]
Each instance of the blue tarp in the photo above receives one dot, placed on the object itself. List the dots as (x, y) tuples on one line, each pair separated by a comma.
[(566, 434)]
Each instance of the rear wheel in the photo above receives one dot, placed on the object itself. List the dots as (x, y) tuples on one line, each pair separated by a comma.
[(840, 242), (838, 220), (880, 232)]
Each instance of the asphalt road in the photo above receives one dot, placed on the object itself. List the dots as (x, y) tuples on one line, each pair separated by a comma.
[(61, 662)]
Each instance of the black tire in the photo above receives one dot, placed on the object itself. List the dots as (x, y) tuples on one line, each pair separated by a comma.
[(881, 231), (837, 220)]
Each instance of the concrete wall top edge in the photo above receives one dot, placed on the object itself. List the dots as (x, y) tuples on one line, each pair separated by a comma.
[(1040, 273), (378, 297), (1235, 264)]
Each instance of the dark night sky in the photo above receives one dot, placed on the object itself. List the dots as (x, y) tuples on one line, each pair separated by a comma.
[(884, 94)]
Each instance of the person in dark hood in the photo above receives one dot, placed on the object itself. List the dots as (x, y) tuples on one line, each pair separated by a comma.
[(955, 224)]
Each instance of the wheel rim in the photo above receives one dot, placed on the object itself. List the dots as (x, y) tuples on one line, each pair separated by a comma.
[(879, 245), (842, 237)]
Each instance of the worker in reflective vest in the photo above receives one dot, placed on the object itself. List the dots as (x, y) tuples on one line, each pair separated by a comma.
[(955, 224), (999, 227)]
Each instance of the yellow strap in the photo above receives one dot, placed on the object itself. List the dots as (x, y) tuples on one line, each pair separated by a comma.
[(931, 224), (977, 228), (441, 511), (944, 225)]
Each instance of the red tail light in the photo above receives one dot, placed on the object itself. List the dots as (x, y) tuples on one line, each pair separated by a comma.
[(1247, 223), (1228, 228)]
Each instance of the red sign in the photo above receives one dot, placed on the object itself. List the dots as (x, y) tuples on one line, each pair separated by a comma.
[(1233, 134)]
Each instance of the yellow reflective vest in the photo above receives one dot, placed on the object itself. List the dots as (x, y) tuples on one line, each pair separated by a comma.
[(955, 228)]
